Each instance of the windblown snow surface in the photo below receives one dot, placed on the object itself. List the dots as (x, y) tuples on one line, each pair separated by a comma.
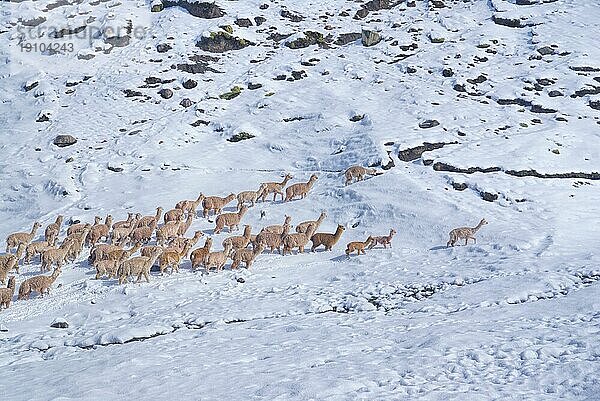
[(515, 90)]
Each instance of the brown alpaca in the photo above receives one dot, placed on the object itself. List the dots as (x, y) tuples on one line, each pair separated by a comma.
[(109, 267), (6, 294), (51, 232), (190, 206), (275, 188), (230, 220), (297, 240), (77, 242), (300, 189), (384, 240), (216, 259), (246, 255), (197, 256), (358, 246), (249, 196), (184, 225), (465, 233), (33, 249), (215, 203), (143, 234), (79, 227), (327, 239), (120, 235), (55, 256), (124, 223), (118, 254), (172, 259), (357, 173), (301, 228), (179, 243), (148, 221), (10, 261), (173, 215), (100, 231), (39, 284), (101, 251), (239, 241), (138, 266), (278, 229), (272, 240), (13, 240)]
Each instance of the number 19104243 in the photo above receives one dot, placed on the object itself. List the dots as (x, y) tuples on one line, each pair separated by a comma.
[(42, 47)]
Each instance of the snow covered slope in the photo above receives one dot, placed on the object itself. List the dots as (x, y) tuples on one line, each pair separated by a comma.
[(470, 109)]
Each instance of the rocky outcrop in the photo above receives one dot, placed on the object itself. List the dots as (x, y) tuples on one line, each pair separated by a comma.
[(64, 140), (220, 42), (201, 10), (310, 38), (411, 154)]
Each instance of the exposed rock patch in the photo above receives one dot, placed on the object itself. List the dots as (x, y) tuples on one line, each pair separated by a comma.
[(201, 10)]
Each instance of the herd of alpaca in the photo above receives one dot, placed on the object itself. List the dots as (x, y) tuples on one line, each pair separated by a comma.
[(113, 245)]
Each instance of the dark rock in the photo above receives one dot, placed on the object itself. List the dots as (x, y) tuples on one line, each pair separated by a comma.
[(278, 37), (240, 137), (66, 32), (411, 154), (132, 93), (429, 124), (297, 75), (594, 104), (189, 84), (165, 93), (487, 196), (294, 17), (509, 22), (259, 20), (29, 87), (519, 101), (478, 80), (345, 38), (447, 72), (545, 81), (536, 108), (59, 323), (439, 166), (3, 329), (310, 38), (593, 90), (240, 280), (370, 38), (437, 4), (373, 5), (201, 10), (233, 93), (459, 88), (153, 80), (584, 68), (411, 69), (163, 47), (156, 7), (185, 102), (64, 140), (546, 50), (361, 13), (253, 86), (32, 22), (459, 186), (220, 42), (243, 22), (280, 77), (357, 117), (42, 118), (114, 169), (263, 6), (534, 173), (198, 123)]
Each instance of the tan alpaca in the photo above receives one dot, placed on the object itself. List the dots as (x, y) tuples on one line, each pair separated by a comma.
[(51, 232), (138, 266), (272, 240), (100, 231), (10, 261), (297, 240), (465, 233), (109, 267), (358, 246), (172, 259), (179, 243), (357, 173), (143, 234), (6, 294), (184, 225), (39, 284), (167, 232), (148, 250), (327, 239), (148, 221), (190, 206), (13, 240), (278, 229), (119, 254), (239, 241), (197, 256), (275, 188), (124, 223), (120, 235), (246, 255), (173, 215), (300, 189), (56, 256), (77, 241), (35, 248), (384, 240), (216, 259), (79, 227), (230, 220), (101, 251), (249, 196), (302, 227), (215, 203)]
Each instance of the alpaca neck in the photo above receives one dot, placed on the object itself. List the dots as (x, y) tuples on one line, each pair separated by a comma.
[(477, 227), (338, 233)]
